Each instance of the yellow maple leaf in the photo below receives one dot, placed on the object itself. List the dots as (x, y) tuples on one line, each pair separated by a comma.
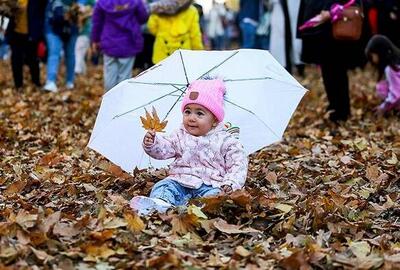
[(152, 121)]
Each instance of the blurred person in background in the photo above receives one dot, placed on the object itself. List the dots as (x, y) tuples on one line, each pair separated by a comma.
[(83, 41), (175, 25), (3, 43), (116, 31), (24, 31), (249, 15), (61, 28), (215, 27), (335, 57), (263, 30), (386, 16)]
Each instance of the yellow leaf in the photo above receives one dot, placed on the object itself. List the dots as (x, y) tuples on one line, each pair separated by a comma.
[(283, 207), (193, 209), (152, 121), (135, 224), (114, 223)]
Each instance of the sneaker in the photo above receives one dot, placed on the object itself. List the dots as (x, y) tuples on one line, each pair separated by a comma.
[(50, 86), (70, 85), (145, 205)]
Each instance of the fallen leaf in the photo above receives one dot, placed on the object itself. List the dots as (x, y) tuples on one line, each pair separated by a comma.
[(240, 250), (135, 224), (95, 252), (360, 249), (15, 187), (25, 219), (223, 226), (283, 207), (152, 121), (42, 255)]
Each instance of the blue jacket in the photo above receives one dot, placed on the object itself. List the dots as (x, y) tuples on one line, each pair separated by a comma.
[(250, 9)]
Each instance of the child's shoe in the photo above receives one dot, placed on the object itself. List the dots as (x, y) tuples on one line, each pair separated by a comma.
[(50, 86), (145, 205), (70, 85)]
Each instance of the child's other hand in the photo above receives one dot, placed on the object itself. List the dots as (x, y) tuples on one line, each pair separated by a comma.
[(226, 189), (148, 139)]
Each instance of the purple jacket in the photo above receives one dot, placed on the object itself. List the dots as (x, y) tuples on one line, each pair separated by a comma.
[(116, 26)]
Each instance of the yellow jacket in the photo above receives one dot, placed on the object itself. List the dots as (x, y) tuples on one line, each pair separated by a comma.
[(180, 31)]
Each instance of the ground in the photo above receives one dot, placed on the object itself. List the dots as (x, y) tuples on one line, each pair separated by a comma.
[(326, 196)]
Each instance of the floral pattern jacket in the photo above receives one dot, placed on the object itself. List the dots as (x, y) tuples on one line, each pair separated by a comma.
[(216, 159)]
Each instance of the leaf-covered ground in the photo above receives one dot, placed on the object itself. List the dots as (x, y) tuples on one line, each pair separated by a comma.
[(325, 197)]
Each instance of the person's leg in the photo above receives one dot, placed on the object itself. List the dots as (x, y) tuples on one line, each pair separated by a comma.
[(54, 46), (110, 71), (33, 61), (125, 68), (248, 35), (17, 59), (205, 191), (336, 85), (171, 192), (81, 47), (69, 49)]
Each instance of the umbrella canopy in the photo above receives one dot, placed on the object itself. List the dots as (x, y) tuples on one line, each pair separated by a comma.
[(260, 99)]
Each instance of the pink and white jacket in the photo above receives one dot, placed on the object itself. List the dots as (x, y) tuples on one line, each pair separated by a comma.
[(389, 89), (216, 159)]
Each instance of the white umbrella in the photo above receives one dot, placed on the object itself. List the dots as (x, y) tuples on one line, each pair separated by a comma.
[(260, 99)]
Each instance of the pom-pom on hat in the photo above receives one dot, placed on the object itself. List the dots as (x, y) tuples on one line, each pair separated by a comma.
[(208, 93)]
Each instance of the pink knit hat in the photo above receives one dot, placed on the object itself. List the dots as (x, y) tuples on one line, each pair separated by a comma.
[(208, 93)]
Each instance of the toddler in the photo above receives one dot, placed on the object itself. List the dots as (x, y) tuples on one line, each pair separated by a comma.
[(385, 56), (208, 159)]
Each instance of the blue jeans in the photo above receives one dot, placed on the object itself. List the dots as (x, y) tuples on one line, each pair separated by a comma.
[(54, 46), (248, 35), (176, 194)]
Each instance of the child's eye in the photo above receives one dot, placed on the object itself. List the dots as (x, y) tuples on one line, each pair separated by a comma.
[(200, 113), (186, 112)]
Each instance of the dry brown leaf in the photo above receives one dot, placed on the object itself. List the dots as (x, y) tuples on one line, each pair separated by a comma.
[(66, 230), (95, 252), (184, 223), (50, 221), (103, 235), (135, 224), (223, 226), (169, 260), (152, 121), (51, 159), (42, 255), (25, 219), (15, 187)]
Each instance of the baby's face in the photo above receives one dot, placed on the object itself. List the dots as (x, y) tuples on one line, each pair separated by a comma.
[(198, 120)]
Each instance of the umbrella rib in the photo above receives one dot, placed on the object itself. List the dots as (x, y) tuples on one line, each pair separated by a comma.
[(158, 83), (216, 66), (176, 101), (148, 103), (184, 69), (247, 110)]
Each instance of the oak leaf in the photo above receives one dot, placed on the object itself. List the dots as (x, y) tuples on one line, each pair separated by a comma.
[(152, 121)]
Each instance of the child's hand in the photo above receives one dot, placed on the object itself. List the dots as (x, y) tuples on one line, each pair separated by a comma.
[(148, 139), (226, 189)]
